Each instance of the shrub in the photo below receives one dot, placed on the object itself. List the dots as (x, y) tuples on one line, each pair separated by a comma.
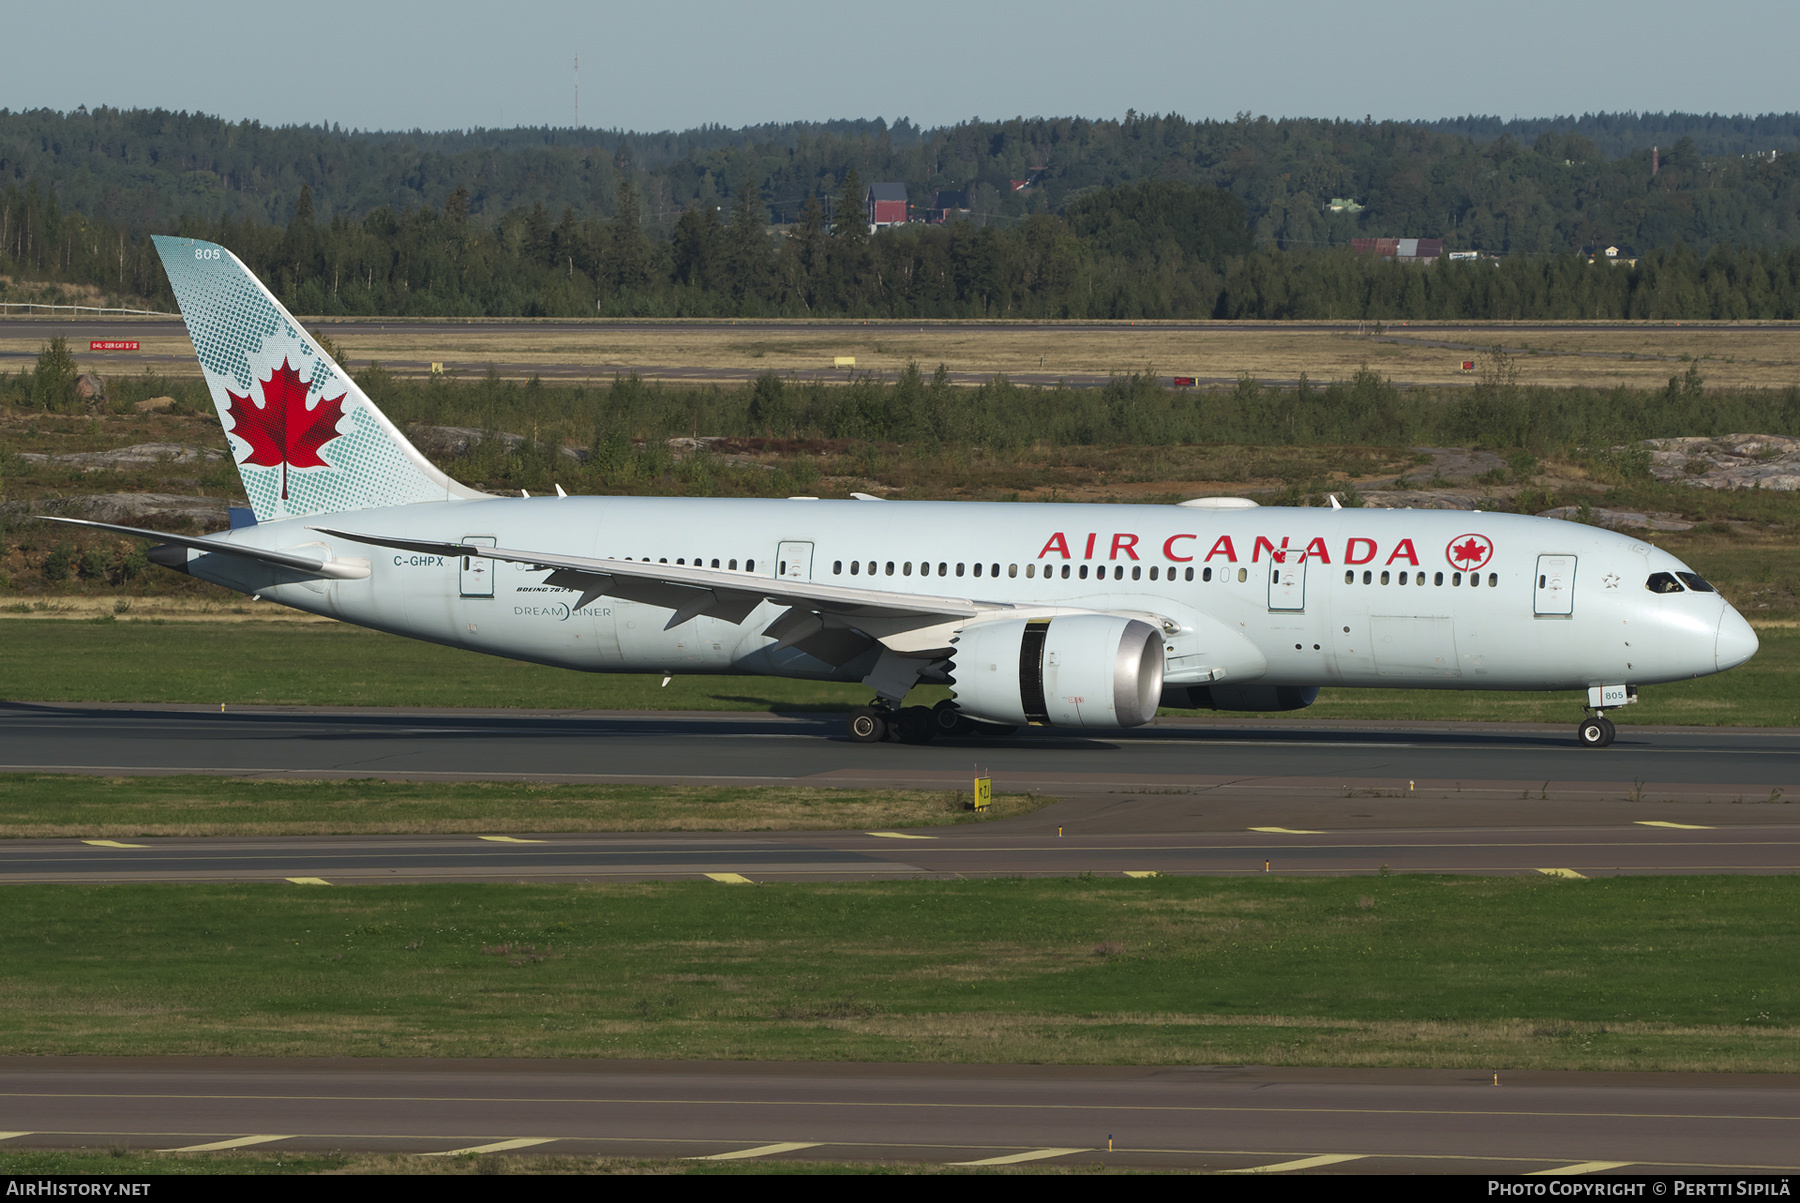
[(56, 564)]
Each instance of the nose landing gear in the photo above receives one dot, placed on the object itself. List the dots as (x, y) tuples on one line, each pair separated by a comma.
[(1595, 732)]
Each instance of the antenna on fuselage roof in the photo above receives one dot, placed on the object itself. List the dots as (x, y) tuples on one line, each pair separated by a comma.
[(1334, 501)]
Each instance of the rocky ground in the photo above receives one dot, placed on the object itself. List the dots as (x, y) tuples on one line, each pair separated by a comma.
[(1728, 461)]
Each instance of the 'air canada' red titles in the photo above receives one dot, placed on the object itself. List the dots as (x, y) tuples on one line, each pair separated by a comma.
[(1184, 549)]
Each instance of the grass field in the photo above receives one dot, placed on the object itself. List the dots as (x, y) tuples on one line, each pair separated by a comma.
[(1761, 355), (1732, 354), (1623, 973), (273, 663), (40, 806)]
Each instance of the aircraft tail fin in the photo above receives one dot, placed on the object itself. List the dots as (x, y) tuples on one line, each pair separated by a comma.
[(306, 438)]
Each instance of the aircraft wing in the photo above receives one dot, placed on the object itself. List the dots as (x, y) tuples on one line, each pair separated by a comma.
[(692, 591)]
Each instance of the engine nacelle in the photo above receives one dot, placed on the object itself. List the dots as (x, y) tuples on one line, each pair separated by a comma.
[(1098, 671), (1239, 697)]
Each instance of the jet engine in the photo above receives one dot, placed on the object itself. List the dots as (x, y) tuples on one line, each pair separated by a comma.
[(1239, 697), (1096, 671)]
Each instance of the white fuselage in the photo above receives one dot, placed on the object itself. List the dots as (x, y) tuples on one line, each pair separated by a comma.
[(1274, 596)]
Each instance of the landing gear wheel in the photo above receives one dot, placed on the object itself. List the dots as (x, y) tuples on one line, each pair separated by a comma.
[(1594, 733), (1612, 732), (947, 719), (914, 725), (867, 725)]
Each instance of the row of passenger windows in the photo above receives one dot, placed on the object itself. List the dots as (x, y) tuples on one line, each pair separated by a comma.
[(1078, 572), (700, 562), (1456, 578)]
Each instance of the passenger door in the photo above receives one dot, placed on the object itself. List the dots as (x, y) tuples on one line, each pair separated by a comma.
[(1554, 590), (475, 576), (1287, 583), (793, 561)]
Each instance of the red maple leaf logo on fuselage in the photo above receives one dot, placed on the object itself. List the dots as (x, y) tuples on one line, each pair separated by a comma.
[(282, 430), (1472, 551)]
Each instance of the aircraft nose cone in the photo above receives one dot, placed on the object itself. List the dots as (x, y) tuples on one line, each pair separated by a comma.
[(1737, 642)]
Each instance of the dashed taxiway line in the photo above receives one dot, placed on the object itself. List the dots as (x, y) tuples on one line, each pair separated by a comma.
[(1020, 847), (1236, 1120)]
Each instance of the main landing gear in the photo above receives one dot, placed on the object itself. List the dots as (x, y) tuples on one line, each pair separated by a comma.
[(878, 721), (1596, 731), (914, 724)]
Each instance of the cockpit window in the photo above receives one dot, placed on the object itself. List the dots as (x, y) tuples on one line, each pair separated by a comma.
[(1696, 582), (1662, 582)]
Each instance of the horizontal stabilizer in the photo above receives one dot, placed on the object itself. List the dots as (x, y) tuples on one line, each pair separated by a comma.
[(334, 568)]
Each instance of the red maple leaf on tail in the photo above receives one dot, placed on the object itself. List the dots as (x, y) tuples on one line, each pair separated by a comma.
[(282, 430)]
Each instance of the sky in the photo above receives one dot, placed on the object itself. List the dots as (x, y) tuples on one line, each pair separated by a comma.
[(455, 64)]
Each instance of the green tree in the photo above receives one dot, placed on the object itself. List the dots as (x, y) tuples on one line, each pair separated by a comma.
[(53, 381), (747, 245), (805, 256), (56, 564), (299, 254), (540, 245), (628, 253), (768, 404), (850, 245), (696, 247), (850, 219)]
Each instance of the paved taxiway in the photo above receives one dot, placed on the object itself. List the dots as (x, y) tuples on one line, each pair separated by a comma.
[(1179, 799), (1016, 848), (1472, 759), (1214, 798), (1211, 1118)]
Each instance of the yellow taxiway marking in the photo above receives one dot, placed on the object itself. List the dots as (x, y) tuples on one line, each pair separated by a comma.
[(113, 844), (760, 1151), (1563, 873), (309, 881), (1286, 831), (1677, 826), (1142, 873), (898, 835), (735, 879), (1581, 1167), (499, 1146), (217, 1145), (507, 839), (1305, 1163), (1015, 1158), (12, 1135)]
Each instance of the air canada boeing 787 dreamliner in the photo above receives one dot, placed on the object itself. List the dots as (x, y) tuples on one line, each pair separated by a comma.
[(1084, 616)]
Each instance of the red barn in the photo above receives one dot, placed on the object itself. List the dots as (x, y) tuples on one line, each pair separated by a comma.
[(887, 205), (1399, 248)]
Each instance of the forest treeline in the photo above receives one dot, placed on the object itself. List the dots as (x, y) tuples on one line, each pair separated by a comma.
[(1535, 186), (1153, 250)]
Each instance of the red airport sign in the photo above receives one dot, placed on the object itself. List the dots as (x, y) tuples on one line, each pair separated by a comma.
[(1184, 382), (113, 344)]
